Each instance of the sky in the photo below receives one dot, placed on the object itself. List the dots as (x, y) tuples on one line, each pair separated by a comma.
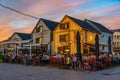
[(106, 12)]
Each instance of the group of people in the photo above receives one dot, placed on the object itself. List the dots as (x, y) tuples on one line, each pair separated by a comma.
[(89, 62), (68, 61)]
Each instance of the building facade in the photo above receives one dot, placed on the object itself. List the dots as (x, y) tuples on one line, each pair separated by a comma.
[(17, 43), (65, 36), (42, 35), (103, 36), (116, 40)]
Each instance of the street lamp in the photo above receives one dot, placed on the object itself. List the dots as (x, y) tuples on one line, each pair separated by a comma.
[(16, 49), (30, 48)]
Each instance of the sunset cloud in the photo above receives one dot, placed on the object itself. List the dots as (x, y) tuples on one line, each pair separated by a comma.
[(104, 12), (110, 21), (97, 13), (5, 31), (27, 30)]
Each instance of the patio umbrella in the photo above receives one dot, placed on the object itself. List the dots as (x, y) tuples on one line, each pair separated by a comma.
[(97, 45), (78, 46), (109, 45)]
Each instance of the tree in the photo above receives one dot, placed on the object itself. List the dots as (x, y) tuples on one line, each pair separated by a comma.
[(109, 45), (97, 45), (78, 46)]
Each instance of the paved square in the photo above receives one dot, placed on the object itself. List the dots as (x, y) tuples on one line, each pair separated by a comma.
[(22, 72)]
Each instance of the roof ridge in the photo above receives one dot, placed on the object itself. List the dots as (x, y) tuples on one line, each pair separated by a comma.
[(21, 33), (83, 24), (100, 26), (86, 20), (48, 20)]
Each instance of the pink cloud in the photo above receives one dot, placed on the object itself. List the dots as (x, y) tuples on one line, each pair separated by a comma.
[(105, 10), (97, 12), (110, 21), (54, 7)]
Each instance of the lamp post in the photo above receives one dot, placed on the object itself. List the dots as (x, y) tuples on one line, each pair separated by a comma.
[(3, 50), (30, 53), (15, 49)]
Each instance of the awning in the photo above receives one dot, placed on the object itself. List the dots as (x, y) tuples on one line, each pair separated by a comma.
[(88, 44), (35, 45), (103, 44)]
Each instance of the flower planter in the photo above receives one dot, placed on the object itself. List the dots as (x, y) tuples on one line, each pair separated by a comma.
[(1, 60)]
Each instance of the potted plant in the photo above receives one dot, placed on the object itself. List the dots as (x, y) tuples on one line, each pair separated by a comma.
[(1, 58)]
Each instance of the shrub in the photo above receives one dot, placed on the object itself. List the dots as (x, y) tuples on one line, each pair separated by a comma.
[(1, 57)]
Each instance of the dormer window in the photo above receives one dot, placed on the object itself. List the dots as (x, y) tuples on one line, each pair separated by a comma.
[(39, 40), (64, 26), (39, 29)]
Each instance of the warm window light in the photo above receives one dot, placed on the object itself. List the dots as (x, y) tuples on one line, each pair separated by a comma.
[(41, 28), (67, 50), (91, 38), (40, 40)]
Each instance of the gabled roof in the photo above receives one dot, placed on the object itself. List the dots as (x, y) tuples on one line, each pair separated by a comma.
[(100, 26), (50, 24), (23, 36), (116, 30), (83, 24)]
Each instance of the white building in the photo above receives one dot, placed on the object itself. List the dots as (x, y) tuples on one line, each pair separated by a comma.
[(116, 40), (104, 35), (17, 43), (42, 35)]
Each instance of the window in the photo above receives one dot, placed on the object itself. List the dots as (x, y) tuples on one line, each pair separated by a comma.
[(37, 40), (67, 37), (40, 40), (102, 35), (16, 38), (41, 28), (64, 26), (64, 38), (85, 36), (103, 47), (37, 29)]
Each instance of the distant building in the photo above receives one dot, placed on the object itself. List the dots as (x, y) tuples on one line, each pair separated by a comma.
[(116, 40), (17, 43)]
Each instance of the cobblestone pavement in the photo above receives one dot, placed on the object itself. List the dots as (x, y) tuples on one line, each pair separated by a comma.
[(22, 72)]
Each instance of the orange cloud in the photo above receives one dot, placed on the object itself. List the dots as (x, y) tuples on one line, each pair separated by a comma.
[(27, 30), (5, 32)]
